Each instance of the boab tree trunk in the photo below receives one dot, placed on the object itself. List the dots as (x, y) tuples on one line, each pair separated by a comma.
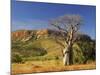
[(68, 55)]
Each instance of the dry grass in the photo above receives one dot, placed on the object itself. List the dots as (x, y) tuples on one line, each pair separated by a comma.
[(47, 66)]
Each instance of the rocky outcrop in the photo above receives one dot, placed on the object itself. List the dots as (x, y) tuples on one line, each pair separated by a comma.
[(42, 33), (25, 35)]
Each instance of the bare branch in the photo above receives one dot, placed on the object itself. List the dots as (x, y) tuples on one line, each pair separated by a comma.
[(60, 28), (68, 25)]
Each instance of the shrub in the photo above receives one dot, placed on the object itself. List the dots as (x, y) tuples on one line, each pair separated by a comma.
[(78, 56), (17, 58), (88, 50), (56, 57)]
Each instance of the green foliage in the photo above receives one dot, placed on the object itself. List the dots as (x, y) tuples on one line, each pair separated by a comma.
[(87, 48), (84, 50), (78, 56), (17, 58)]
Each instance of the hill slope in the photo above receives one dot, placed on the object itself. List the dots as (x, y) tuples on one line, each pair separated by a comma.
[(41, 45)]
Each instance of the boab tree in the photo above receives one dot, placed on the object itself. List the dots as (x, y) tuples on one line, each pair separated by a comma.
[(68, 25)]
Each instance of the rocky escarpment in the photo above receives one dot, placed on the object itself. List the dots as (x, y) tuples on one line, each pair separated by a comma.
[(22, 35), (25, 35)]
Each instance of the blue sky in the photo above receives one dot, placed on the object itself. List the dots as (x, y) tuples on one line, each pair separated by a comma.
[(36, 15)]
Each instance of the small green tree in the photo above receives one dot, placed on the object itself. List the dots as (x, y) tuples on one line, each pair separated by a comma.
[(87, 46)]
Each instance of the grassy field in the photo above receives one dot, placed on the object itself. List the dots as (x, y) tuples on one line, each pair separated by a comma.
[(48, 66)]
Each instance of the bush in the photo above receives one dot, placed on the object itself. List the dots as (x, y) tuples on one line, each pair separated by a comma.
[(88, 50), (56, 58), (78, 56), (17, 58)]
